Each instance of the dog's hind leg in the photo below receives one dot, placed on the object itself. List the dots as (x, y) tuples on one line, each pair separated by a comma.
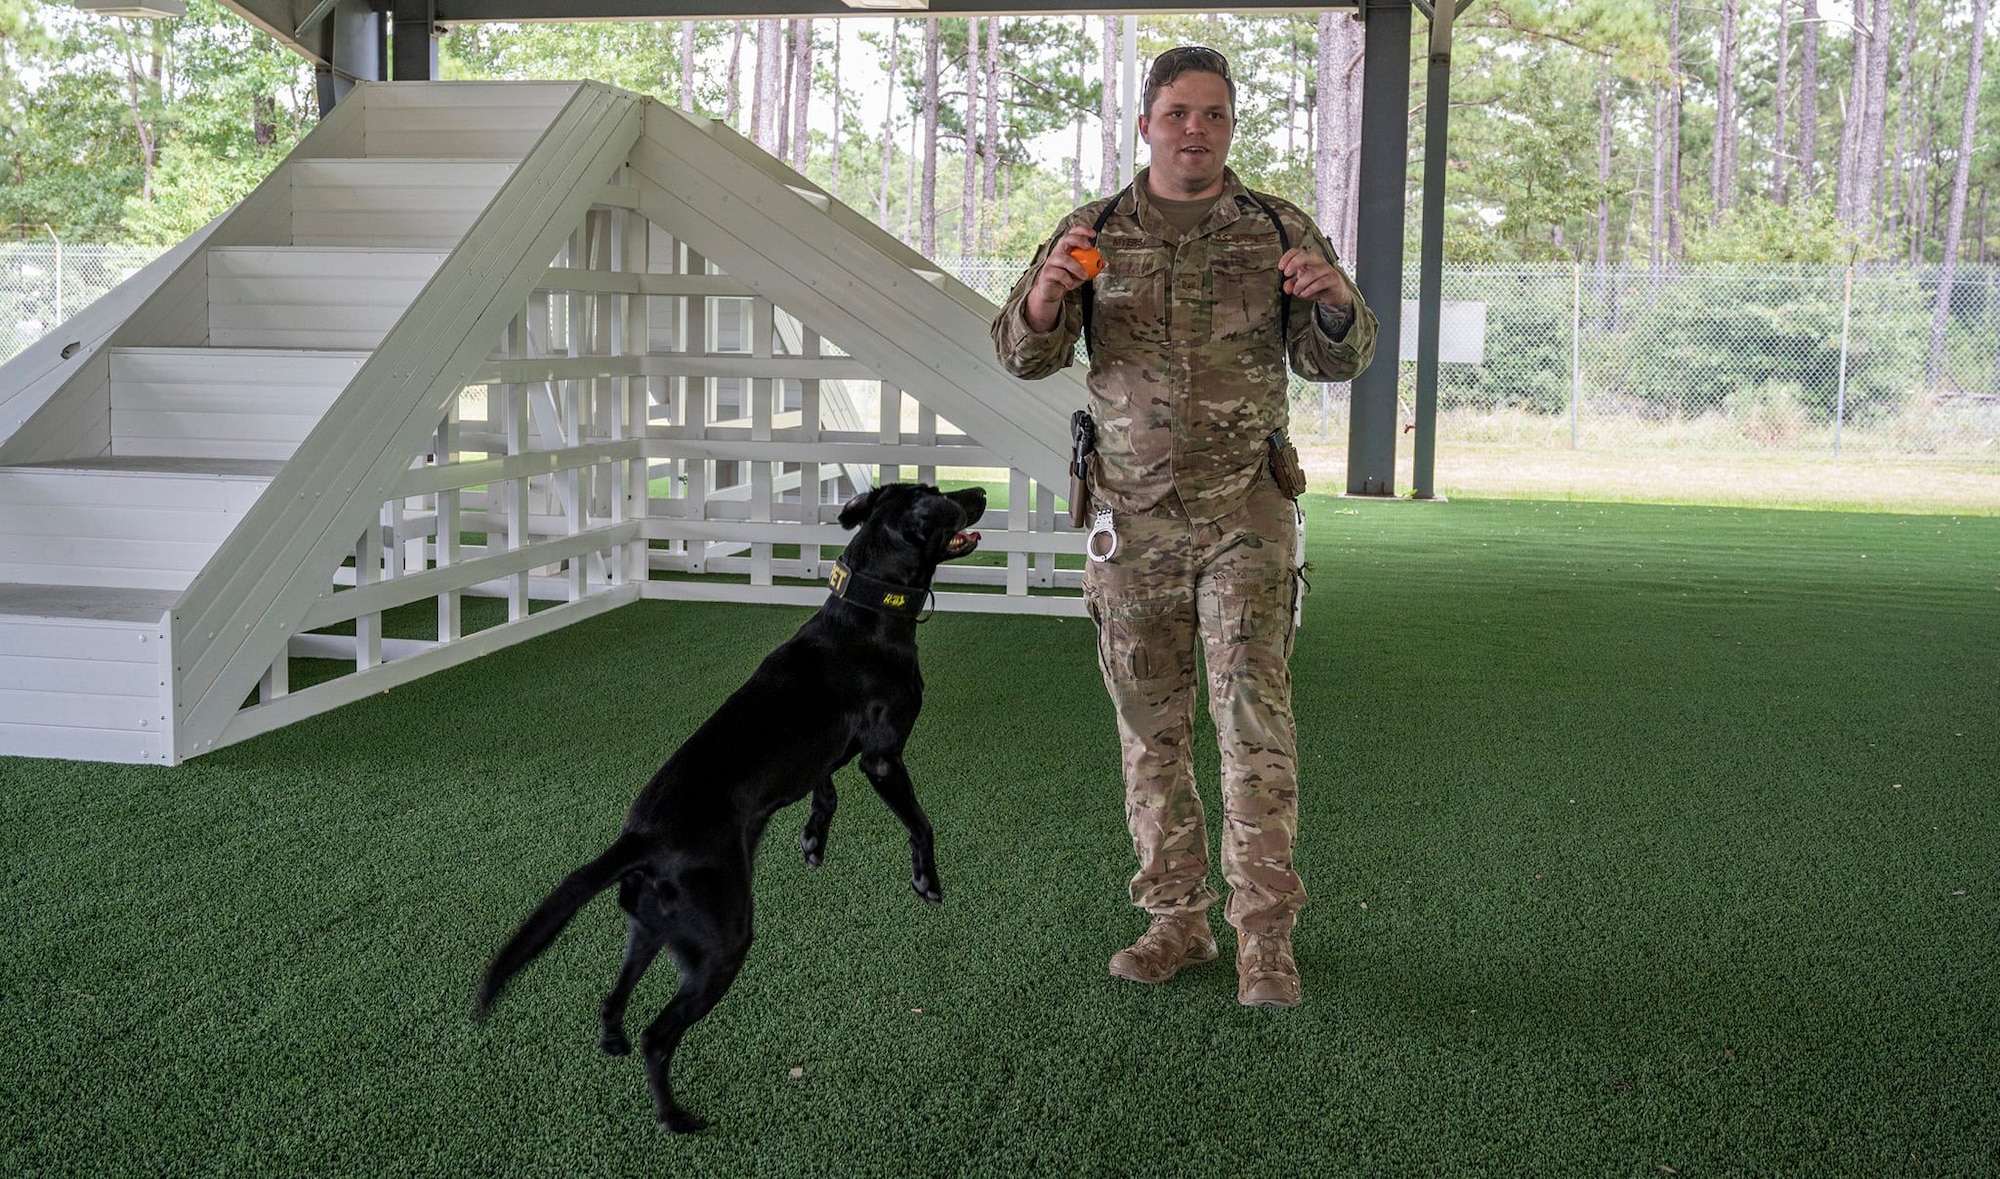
[(812, 840), (642, 945), (891, 780), (709, 945)]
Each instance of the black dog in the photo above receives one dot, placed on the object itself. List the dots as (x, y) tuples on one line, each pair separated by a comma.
[(845, 685)]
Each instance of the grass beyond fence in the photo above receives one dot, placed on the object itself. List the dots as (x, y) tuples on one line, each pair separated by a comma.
[(1641, 840)]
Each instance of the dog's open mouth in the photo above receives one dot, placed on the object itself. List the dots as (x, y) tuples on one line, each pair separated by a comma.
[(961, 545)]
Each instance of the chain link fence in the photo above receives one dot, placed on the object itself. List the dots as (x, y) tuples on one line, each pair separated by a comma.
[(1795, 361), (44, 283)]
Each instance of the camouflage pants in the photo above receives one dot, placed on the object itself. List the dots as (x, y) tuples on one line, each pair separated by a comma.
[(1229, 586)]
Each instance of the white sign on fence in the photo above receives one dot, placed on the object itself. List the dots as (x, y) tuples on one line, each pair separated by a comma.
[(1461, 332)]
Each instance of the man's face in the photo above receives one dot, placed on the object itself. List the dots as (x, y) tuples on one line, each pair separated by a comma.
[(1188, 130)]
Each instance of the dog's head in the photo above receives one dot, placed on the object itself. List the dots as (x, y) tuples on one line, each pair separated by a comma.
[(908, 529)]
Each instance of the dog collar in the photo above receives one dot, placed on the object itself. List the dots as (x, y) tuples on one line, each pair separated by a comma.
[(871, 593)]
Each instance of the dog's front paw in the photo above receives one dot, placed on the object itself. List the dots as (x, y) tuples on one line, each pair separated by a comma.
[(925, 885), (614, 1043), (813, 843), (680, 1121)]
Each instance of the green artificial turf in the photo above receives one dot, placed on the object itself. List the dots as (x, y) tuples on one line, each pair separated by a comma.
[(1642, 840)]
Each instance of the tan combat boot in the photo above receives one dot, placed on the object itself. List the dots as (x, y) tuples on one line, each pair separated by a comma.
[(1169, 943), (1266, 976)]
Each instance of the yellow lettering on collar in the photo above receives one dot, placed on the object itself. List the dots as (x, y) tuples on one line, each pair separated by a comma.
[(894, 600)]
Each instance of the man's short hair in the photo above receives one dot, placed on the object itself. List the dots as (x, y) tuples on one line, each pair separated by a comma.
[(1186, 59)]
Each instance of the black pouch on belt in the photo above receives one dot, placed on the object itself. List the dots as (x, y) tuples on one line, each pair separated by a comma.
[(1285, 467), (1082, 444)]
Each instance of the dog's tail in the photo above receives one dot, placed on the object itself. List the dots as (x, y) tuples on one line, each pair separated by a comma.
[(549, 917)]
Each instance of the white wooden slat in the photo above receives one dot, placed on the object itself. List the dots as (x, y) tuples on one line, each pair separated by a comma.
[(29, 487), (24, 637), (84, 744), (74, 527), (22, 706), (413, 202), (794, 595), (77, 422), (459, 118), (242, 403), (141, 445), (82, 677), (312, 298), (137, 523)]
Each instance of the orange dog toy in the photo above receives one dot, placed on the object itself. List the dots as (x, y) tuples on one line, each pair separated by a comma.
[(1091, 259)]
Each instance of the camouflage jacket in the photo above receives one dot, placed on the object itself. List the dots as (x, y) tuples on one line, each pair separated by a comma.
[(1187, 376)]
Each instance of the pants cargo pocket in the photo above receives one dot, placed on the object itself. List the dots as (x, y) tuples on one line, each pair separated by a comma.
[(1146, 643)]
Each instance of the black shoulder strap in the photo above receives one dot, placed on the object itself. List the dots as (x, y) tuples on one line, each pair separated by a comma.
[(1284, 247), (1284, 296), (1090, 288)]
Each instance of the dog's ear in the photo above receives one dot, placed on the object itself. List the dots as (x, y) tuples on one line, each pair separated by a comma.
[(856, 510)]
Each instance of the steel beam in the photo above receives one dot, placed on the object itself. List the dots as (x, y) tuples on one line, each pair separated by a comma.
[(1385, 148), (413, 40), (1430, 267)]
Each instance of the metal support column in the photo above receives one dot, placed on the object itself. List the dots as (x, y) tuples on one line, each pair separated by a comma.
[(354, 34), (1378, 270), (413, 42), (1430, 272)]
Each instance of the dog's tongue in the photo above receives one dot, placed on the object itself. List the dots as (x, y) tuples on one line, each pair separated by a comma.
[(962, 543)]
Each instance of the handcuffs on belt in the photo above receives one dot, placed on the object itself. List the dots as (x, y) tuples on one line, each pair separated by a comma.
[(1100, 525)]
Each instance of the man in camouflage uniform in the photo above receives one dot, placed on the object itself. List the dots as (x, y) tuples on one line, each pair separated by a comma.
[(1187, 380)]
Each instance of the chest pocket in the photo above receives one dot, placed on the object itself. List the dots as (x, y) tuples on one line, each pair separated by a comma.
[(1131, 294), (1245, 285)]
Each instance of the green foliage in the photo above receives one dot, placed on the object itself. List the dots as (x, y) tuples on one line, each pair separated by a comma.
[(72, 157), (1527, 345), (217, 101), (191, 186), (1771, 341), (1760, 231)]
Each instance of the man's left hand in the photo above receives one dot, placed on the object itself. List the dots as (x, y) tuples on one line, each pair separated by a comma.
[(1308, 275)]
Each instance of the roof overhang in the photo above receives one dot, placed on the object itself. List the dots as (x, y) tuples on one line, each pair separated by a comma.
[(302, 25)]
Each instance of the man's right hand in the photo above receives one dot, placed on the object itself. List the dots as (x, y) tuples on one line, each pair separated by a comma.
[(1060, 274)]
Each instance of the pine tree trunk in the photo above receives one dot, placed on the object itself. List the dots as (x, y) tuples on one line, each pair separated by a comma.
[(734, 103), (837, 120), (1778, 166), (928, 214), (889, 122), (1336, 130), (802, 89), (1874, 132), (781, 95), (910, 181), (968, 199), (1291, 84), (990, 149), (1809, 98), (1902, 213), (687, 65), (1673, 144), (1722, 163), (1107, 110), (1954, 223), (1655, 250), (1603, 166), (1851, 211)]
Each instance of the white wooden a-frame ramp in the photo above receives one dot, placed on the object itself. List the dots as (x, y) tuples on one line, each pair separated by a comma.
[(552, 343)]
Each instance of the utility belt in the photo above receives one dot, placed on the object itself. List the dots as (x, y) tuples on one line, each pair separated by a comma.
[(1280, 457)]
